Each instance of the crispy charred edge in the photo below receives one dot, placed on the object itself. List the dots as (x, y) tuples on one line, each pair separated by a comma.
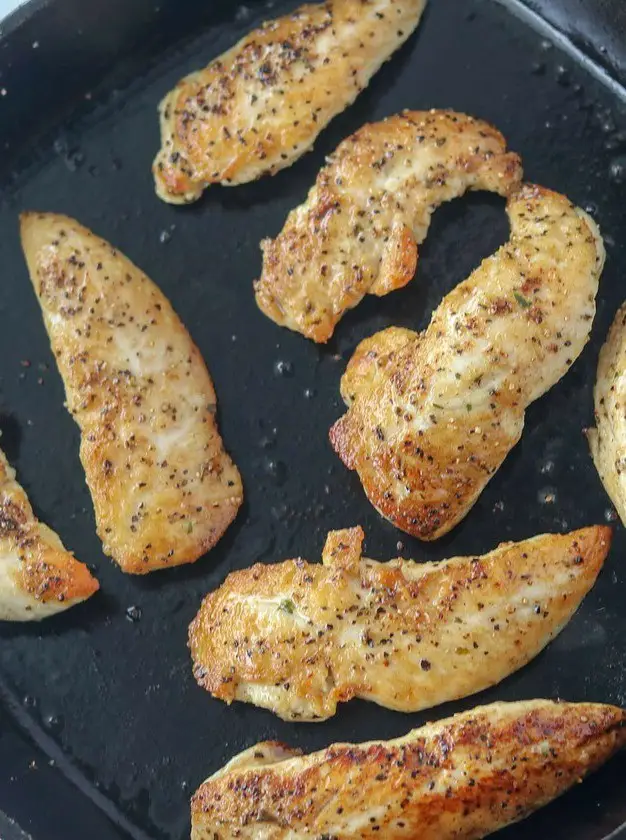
[(589, 546), (65, 580), (243, 580), (425, 521), (171, 184), (241, 796)]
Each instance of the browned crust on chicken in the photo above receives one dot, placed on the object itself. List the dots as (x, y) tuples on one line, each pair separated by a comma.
[(358, 231), (432, 416), (163, 487), (459, 779), (38, 576), (608, 440), (299, 638), (258, 107)]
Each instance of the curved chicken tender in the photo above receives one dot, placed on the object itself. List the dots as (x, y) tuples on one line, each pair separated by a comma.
[(357, 232), (259, 107), (38, 576), (432, 416), (608, 440), (459, 779), (164, 489), (298, 638)]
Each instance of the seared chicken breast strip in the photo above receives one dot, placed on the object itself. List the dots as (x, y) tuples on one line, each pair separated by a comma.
[(259, 107), (608, 440), (163, 487), (38, 576), (358, 231), (298, 638), (432, 416), (459, 779)]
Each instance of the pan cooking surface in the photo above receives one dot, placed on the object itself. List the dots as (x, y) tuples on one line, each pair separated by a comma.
[(110, 682)]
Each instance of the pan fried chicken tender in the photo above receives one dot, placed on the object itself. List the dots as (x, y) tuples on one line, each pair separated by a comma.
[(608, 440), (38, 576), (260, 106), (299, 638), (163, 487), (432, 416), (461, 778), (358, 231)]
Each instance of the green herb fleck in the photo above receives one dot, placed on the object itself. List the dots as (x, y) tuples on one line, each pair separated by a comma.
[(462, 651), (287, 605), (189, 528), (523, 302), (468, 406), (436, 405)]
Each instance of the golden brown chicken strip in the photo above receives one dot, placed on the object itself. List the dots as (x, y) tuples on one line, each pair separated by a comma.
[(298, 638), (163, 487), (38, 576), (259, 107), (358, 231), (432, 416), (459, 779), (608, 440)]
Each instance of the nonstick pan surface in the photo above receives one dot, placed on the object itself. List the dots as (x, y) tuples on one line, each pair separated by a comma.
[(104, 694)]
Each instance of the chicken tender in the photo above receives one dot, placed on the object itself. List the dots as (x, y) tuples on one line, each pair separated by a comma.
[(39, 577), (358, 231), (432, 416), (459, 779), (298, 638), (608, 440), (163, 487), (260, 106)]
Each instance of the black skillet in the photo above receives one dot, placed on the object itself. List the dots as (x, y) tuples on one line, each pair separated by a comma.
[(103, 732)]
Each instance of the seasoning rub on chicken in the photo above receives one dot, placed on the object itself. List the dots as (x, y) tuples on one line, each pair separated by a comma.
[(258, 107), (358, 231), (298, 638), (38, 576), (432, 416), (163, 487), (608, 440), (459, 779)]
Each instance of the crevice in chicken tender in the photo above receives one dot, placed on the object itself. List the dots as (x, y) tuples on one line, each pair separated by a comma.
[(163, 487), (432, 416), (358, 231), (608, 440), (39, 577), (299, 638), (461, 778), (260, 106)]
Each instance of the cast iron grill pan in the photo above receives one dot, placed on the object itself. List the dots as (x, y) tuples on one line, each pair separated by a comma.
[(106, 691)]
